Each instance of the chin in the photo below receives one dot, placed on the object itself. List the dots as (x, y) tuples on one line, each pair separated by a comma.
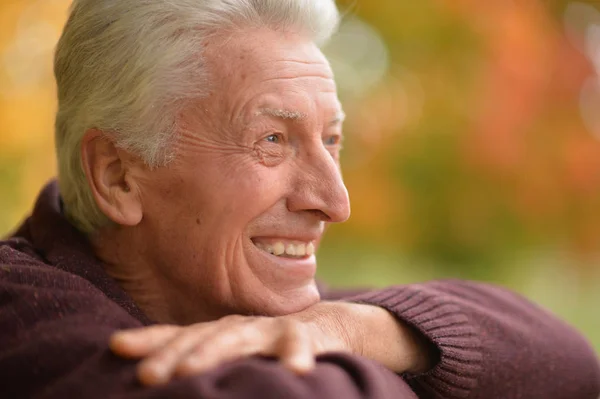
[(289, 302)]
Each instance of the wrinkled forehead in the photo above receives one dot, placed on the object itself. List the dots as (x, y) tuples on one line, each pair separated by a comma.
[(267, 73), (265, 54)]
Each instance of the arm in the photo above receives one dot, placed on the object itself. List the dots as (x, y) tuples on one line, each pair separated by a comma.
[(492, 343), (54, 333)]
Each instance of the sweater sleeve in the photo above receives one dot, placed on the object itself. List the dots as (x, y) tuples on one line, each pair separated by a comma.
[(492, 343), (54, 332)]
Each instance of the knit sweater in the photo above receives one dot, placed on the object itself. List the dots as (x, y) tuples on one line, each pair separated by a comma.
[(58, 309)]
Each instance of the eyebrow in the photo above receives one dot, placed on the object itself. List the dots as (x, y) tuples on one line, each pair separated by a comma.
[(287, 114), (282, 113), (339, 117)]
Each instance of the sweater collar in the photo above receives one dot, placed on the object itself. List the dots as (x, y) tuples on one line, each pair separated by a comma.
[(66, 248)]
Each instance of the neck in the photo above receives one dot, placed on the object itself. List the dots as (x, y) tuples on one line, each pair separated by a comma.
[(127, 260)]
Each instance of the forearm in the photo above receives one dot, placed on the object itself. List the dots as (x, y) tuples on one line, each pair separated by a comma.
[(487, 336), (392, 342), (377, 334)]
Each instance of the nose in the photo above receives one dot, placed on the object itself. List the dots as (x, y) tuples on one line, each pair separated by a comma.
[(319, 188)]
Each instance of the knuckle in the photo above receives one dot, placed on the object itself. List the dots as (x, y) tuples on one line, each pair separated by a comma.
[(254, 335), (221, 344), (227, 340)]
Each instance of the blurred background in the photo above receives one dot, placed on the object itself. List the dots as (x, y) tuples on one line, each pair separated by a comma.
[(472, 149)]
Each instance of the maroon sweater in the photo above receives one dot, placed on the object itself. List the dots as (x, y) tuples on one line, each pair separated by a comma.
[(58, 309)]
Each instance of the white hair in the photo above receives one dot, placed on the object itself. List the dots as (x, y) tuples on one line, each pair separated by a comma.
[(127, 67)]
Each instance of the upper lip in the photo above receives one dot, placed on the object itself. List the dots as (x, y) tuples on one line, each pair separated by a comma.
[(302, 232), (290, 237)]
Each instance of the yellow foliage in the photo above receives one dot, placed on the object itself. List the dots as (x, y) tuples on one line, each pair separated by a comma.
[(28, 33)]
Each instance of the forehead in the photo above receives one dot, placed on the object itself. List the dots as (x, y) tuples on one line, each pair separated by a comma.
[(272, 69), (256, 48)]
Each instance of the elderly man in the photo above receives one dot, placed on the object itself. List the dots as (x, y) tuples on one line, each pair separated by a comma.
[(198, 145)]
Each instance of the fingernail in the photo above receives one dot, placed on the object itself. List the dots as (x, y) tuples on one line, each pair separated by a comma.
[(121, 336), (303, 365), (119, 343), (152, 374)]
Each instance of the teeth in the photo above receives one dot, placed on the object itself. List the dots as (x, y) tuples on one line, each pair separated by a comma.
[(288, 249), (278, 249)]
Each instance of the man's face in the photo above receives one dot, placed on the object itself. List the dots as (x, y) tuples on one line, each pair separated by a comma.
[(234, 220)]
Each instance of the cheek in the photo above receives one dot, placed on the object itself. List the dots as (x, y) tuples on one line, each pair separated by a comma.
[(234, 195), (162, 195), (258, 191)]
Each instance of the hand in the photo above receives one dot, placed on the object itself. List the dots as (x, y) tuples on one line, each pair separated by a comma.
[(174, 351), (295, 339)]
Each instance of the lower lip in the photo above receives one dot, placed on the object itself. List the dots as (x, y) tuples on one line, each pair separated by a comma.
[(304, 267)]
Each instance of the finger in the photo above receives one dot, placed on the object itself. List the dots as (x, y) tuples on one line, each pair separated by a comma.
[(223, 347), (140, 342), (296, 351), (160, 366)]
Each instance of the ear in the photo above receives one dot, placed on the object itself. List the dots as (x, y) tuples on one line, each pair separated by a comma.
[(107, 169)]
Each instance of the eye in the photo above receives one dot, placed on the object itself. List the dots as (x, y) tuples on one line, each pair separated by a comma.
[(332, 140), (273, 138)]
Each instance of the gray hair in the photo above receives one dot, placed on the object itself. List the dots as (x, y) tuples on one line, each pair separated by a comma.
[(127, 67)]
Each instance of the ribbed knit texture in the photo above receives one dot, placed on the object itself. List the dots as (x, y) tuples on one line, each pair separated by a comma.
[(58, 309), (447, 326)]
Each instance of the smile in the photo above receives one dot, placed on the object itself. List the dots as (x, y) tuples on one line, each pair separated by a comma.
[(286, 248)]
